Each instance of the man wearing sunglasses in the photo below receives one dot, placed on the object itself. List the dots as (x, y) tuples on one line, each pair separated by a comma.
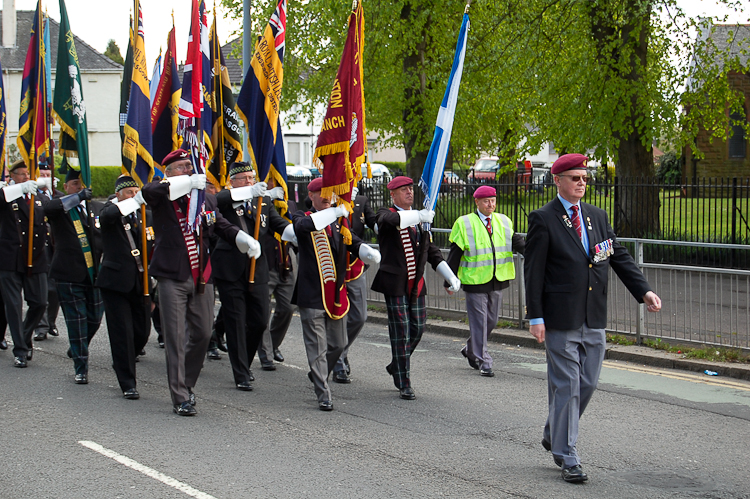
[(569, 249)]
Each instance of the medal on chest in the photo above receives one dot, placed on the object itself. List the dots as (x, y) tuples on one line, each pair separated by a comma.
[(567, 221), (603, 250)]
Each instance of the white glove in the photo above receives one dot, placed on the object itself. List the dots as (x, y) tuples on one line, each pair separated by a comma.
[(369, 255), (289, 235), (30, 187), (375, 229), (247, 244), (248, 192), (355, 191), (12, 192), (426, 216), (275, 193), (139, 198), (198, 181), (3, 184), (130, 205), (178, 186), (444, 270), (408, 218), (44, 183), (341, 211), (324, 218)]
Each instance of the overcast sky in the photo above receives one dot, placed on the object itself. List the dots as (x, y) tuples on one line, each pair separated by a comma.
[(97, 21)]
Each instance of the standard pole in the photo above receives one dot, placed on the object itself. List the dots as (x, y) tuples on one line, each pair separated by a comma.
[(247, 46)]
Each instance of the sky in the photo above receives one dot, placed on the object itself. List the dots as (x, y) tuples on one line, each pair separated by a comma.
[(98, 21)]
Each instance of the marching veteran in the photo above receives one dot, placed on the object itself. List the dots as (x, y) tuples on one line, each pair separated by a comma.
[(406, 248), (121, 281), (322, 266), (481, 254), (570, 248)]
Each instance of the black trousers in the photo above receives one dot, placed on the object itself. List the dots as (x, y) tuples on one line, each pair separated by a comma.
[(128, 325), (245, 312)]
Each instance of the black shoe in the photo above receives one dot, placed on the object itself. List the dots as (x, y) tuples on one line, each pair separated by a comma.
[(407, 393), (30, 354), (326, 405), (143, 352), (3, 344), (486, 373), (389, 369), (277, 355), (222, 345), (19, 362), (472, 363), (341, 377), (245, 386), (184, 409), (251, 376), (547, 446), (191, 395), (69, 353), (574, 474), (131, 394), (53, 331), (81, 379), (268, 365), (161, 344), (348, 367), (40, 336), (213, 354), (309, 376)]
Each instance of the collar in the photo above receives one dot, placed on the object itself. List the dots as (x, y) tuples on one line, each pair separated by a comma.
[(567, 204), (399, 208), (482, 217)]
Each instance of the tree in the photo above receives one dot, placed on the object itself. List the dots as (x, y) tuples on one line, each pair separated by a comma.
[(113, 52)]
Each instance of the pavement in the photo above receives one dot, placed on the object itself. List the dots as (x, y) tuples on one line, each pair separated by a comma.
[(629, 353)]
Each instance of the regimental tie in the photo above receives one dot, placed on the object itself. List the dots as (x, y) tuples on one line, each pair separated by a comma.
[(577, 222), (489, 225)]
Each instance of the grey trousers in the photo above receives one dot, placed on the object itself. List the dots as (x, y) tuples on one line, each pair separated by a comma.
[(483, 310), (574, 361), (35, 292), (49, 318), (186, 320), (274, 335), (325, 339), (356, 290)]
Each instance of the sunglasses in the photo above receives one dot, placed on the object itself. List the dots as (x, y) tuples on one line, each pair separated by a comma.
[(577, 178)]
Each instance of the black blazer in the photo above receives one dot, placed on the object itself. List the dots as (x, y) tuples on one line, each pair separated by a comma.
[(14, 240), (308, 292), (564, 285), (170, 258), (227, 261), (119, 271), (68, 262), (362, 215), (392, 278)]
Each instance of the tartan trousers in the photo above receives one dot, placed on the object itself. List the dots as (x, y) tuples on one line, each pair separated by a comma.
[(83, 309), (405, 327)]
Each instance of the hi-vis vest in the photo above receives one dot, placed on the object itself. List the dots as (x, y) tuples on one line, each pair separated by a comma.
[(483, 256)]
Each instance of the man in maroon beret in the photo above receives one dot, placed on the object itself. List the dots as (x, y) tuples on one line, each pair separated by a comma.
[(481, 254), (406, 248), (570, 247)]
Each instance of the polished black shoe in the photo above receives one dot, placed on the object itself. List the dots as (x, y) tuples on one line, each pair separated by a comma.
[(407, 393), (547, 446), (81, 379), (574, 474), (250, 375), (472, 363), (277, 355), (69, 353), (191, 397), (487, 373), (40, 336), (3, 344), (131, 394), (341, 377), (268, 365), (30, 354), (326, 405), (161, 344), (213, 354), (245, 386), (184, 409), (143, 352), (389, 369), (19, 362), (222, 344), (53, 331), (309, 376)]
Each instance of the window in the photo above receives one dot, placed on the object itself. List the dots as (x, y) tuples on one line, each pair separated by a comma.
[(738, 140), (293, 153)]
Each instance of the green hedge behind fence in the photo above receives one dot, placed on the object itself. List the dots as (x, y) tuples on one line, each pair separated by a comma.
[(102, 180)]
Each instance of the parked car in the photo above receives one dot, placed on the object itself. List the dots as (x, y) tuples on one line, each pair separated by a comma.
[(298, 173), (485, 169), (380, 174), (452, 183)]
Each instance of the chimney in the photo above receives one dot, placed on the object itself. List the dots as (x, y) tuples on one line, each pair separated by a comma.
[(9, 23)]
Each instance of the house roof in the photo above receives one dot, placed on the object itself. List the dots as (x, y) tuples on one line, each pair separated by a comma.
[(732, 40), (13, 58), (234, 66)]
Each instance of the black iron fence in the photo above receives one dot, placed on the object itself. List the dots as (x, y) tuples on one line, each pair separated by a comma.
[(708, 210)]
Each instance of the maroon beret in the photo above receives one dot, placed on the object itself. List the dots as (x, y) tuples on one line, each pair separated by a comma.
[(485, 192), (399, 181), (315, 185), (176, 155), (568, 162)]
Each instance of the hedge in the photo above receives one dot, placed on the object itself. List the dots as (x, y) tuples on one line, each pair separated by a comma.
[(102, 180)]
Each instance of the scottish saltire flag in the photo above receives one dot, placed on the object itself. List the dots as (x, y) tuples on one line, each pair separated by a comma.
[(3, 126), (136, 149), (226, 138), (33, 131), (432, 174), (342, 142), (155, 77), (127, 77), (68, 104), (195, 113), (259, 100), (165, 108)]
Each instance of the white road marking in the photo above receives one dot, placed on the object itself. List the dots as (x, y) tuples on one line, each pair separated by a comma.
[(167, 480)]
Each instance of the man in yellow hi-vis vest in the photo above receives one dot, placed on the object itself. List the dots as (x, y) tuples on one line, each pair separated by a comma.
[(481, 255)]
